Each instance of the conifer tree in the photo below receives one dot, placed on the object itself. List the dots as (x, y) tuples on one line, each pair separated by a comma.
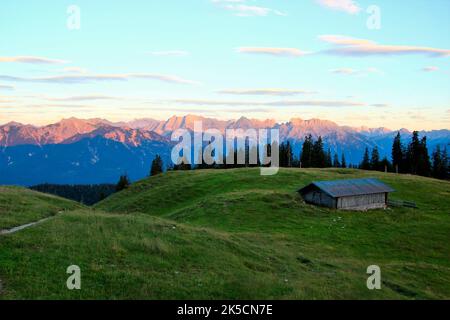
[(413, 154), (343, 162), (375, 159), (157, 166), (328, 160), (365, 164), (336, 162), (385, 165), (306, 156), (318, 155), (397, 154), (123, 183), (440, 165), (424, 164)]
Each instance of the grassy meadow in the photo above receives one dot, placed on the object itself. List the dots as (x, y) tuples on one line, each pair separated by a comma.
[(228, 234), (19, 206)]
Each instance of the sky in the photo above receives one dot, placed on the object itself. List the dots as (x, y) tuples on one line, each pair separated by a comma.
[(377, 63)]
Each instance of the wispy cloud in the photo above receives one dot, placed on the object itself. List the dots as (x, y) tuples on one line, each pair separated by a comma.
[(347, 71), (6, 100), (348, 46), (277, 52), (83, 98), (170, 53), (88, 78), (228, 1), (75, 70), (241, 9), (63, 105), (6, 87), (344, 40), (348, 6), (31, 60), (417, 115), (430, 69), (284, 103), (355, 72), (266, 92), (204, 111)]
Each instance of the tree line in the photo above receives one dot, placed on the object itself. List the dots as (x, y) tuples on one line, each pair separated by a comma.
[(412, 158), (86, 194)]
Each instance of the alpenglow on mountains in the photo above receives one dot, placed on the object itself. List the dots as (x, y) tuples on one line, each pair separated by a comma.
[(76, 151)]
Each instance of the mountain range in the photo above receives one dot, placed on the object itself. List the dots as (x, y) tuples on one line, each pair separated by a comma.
[(98, 151)]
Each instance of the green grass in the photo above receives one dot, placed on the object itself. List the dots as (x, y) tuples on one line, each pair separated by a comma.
[(19, 206), (233, 234)]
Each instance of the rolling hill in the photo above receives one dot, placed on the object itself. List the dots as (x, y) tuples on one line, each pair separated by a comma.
[(19, 206), (233, 234)]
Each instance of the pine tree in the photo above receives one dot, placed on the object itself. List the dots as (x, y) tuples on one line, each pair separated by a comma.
[(365, 164), (286, 154), (424, 164), (336, 162), (417, 156), (445, 164), (289, 155), (437, 163), (385, 165), (413, 154), (440, 165), (318, 155), (397, 154), (343, 162), (306, 156), (375, 159), (328, 160), (123, 183), (157, 166)]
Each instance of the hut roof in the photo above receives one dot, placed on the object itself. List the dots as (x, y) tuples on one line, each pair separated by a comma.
[(351, 187)]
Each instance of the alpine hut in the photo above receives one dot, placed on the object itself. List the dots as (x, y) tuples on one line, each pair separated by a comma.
[(353, 194)]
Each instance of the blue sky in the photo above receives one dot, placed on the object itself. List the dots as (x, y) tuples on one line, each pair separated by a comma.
[(227, 58)]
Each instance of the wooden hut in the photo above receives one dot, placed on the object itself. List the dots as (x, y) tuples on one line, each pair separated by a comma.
[(353, 194)]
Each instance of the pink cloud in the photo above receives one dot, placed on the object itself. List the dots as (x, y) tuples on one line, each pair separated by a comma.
[(241, 9), (430, 69), (347, 46), (283, 103), (266, 92), (87, 78), (31, 60), (280, 52), (348, 6)]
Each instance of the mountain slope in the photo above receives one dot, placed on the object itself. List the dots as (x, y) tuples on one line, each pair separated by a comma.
[(88, 161), (142, 139)]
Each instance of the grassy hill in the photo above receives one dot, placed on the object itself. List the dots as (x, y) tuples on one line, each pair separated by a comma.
[(234, 234), (19, 206)]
